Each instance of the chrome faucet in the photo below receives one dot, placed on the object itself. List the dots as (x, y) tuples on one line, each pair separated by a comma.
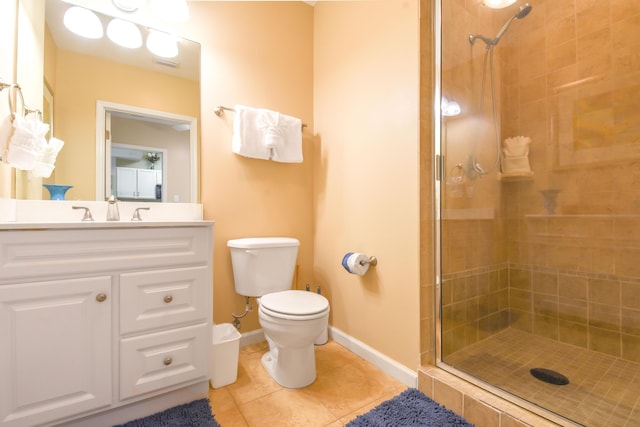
[(87, 213), (136, 214)]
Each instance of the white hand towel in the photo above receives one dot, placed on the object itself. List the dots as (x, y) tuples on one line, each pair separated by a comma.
[(264, 134), (24, 145), (248, 136), (268, 124), (287, 147), (47, 158)]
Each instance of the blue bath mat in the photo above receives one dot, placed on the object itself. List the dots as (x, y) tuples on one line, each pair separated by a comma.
[(411, 408), (193, 414)]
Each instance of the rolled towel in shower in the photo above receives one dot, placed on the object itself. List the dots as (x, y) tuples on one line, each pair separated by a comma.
[(515, 155), (356, 263), (518, 146)]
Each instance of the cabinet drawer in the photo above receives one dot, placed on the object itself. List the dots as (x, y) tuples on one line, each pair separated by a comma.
[(154, 361), (42, 253), (160, 298)]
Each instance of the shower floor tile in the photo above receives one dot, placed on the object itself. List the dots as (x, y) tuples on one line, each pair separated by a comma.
[(603, 390)]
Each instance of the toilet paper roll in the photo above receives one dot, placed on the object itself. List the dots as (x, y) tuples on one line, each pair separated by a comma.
[(356, 263)]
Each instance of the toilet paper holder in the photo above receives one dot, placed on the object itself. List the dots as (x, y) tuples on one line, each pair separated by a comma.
[(373, 261)]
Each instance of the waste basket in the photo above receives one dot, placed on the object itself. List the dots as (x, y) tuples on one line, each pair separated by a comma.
[(226, 346)]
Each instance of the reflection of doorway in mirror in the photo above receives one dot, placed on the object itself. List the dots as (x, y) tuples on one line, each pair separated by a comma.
[(153, 130), (134, 176)]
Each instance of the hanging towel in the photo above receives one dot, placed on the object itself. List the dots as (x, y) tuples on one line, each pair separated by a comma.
[(248, 136), (264, 134), (286, 140), (26, 141), (46, 161)]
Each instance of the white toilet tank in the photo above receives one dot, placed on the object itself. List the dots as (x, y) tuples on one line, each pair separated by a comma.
[(262, 265)]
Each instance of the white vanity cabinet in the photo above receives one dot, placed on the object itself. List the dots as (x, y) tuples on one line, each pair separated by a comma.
[(102, 317), (133, 183)]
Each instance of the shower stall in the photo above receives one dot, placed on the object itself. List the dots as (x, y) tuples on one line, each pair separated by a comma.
[(538, 199)]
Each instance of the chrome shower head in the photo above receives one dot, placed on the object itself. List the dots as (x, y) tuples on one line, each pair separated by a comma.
[(525, 9)]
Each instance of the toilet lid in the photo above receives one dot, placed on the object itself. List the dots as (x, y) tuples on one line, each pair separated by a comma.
[(296, 303)]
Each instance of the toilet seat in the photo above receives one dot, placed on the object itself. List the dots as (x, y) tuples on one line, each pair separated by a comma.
[(291, 304)]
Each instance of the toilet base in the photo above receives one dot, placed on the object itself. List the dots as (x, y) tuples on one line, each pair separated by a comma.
[(291, 367)]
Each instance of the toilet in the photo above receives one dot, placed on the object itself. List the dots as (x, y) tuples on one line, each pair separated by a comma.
[(292, 320)]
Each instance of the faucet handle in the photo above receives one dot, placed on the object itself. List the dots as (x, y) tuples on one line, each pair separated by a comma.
[(87, 213), (136, 214)]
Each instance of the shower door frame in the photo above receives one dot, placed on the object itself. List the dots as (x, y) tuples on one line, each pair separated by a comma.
[(438, 173)]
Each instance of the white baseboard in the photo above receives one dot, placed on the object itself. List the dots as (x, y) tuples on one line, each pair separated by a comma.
[(251, 337), (387, 365)]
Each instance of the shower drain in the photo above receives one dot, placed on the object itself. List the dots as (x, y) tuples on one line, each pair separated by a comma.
[(549, 376)]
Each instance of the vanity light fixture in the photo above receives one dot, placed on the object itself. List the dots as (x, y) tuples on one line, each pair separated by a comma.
[(498, 4), (162, 44), (83, 22), (127, 5), (124, 33), (171, 10)]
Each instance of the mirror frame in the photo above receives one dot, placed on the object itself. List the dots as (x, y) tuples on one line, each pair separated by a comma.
[(103, 150)]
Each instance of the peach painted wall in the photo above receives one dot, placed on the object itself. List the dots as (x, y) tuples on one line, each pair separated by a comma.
[(258, 54), (366, 169)]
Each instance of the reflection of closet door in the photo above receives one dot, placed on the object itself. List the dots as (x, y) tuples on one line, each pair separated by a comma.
[(146, 184), (126, 182)]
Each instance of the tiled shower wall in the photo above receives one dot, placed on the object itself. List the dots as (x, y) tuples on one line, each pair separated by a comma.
[(582, 286), (570, 79)]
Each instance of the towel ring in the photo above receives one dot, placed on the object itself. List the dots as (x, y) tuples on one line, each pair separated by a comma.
[(15, 89)]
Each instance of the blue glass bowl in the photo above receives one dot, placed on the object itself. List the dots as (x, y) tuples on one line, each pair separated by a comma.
[(57, 191)]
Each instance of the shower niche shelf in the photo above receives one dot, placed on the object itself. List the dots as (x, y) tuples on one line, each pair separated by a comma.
[(515, 177)]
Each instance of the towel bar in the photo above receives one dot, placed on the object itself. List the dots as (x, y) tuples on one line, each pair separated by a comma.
[(219, 111)]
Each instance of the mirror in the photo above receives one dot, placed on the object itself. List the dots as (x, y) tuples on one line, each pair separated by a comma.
[(99, 92)]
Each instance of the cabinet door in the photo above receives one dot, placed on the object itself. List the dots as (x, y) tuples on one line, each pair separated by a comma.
[(55, 349), (126, 183), (146, 184)]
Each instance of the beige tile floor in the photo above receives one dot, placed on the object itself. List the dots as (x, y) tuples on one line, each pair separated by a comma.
[(603, 390), (345, 387)]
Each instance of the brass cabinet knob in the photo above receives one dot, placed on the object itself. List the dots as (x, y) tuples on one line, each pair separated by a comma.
[(168, 299), (101, 297), (168, 361)]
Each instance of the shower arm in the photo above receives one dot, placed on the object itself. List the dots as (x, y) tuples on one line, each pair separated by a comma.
[(494, 41)]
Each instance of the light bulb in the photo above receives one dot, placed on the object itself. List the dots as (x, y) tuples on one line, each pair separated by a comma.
[(83, 22), (124, 33), (162, 44), (498, 4)]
